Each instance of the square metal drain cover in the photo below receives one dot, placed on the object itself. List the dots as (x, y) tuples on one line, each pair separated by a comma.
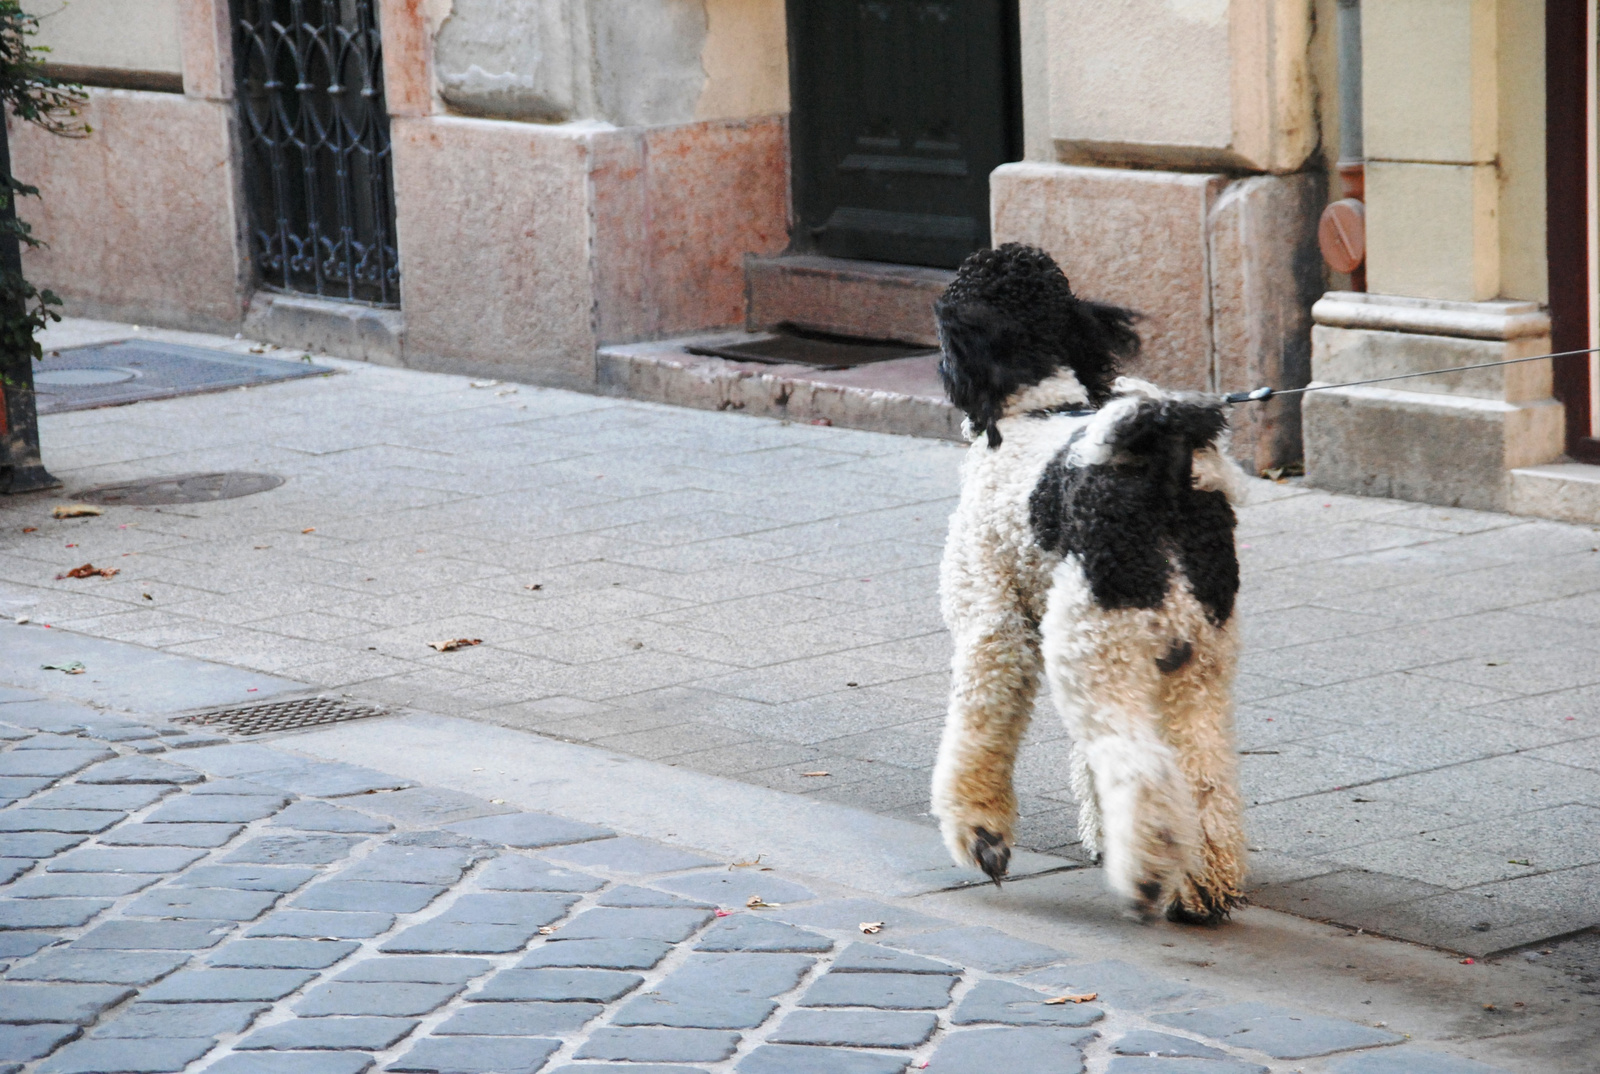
[(110, 374), (282, 715)]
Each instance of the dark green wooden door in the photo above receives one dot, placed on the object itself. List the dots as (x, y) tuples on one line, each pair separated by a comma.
[(901, 109)]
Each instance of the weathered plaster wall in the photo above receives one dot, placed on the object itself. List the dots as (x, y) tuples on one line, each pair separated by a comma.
[(515, 59), (746, 60), (133, 35)]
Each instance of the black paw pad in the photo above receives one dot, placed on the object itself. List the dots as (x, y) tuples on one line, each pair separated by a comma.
[(992, 854)]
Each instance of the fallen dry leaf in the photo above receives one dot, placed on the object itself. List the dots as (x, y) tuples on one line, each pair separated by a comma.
[(482, 383), (871, 928), (818, 773), (453, 644), (1082, 997), (89, 570), (539, 585), (756, 902), (74, 667), (746, 864), (74, 510), (30, 529), (309, 529), (546, 930)]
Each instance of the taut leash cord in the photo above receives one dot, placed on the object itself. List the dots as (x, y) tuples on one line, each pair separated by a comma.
[(1262, 394)]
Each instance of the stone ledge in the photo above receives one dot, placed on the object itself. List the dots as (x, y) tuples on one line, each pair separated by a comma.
[(867, 299), (901, 396), (342, 329), (1434, 317), (1565, 491)]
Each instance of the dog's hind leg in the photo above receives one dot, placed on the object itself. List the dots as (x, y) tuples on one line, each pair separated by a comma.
[(1136, 807), (994, 679)]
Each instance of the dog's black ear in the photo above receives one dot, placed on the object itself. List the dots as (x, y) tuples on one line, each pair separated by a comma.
[(978, 341), (1098, 339)]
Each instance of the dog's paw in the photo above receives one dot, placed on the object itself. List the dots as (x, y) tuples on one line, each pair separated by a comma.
[(991, 853)]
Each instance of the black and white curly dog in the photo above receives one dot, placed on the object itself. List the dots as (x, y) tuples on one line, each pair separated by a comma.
[(1093, 542)]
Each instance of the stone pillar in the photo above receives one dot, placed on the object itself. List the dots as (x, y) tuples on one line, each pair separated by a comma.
[(1453, 118)]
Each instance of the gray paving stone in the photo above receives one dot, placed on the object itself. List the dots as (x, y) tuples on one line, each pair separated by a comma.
[(282, 954), (1119, 984), (388, 998), (34, 1041), (426, 969), (606, 923), (365, 1034), (887, 991), (52, 742), (413, 864), (659, 1045), (126, 797), (1409, 1059), (751, 932), (597, 954), (322, 779), (515, 872), (384, 896), (1123, 1064), (37, 844), (79, 1004), (632, 895), (245, 877), (50, 913), (55, 763), (155, 1056), (193, 740), (88, 821), (1277, 1031), (153, 935), (292, 1063), (982, 948), (129, 860), (445, 937), (293, 850), (508, 908), (1014, 1050), (714, 991), (475, 1055), (11, 868), (1164, 1045), (237, 786), (1011, 1004), (23, 944), (23, 786), (211, 904), (215, 808), (226, 986), (518, 1019), (794, 1059), (81, 885), (101, 967), (529, 831), (627, 855), (870, 958), (416, 807), (846, 915), (140, 770), (323, 817), (172, 835), (139, 1021), (125, 733), (724, 888), (856, 1029), (313, 924), (558, 985)]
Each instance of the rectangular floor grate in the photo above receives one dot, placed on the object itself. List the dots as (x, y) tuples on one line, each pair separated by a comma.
[(282, 715), (132, 370)]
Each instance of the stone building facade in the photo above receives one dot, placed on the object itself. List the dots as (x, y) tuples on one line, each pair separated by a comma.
[(571, 174)]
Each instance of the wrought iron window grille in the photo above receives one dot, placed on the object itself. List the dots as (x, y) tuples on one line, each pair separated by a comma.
[(315, 133)]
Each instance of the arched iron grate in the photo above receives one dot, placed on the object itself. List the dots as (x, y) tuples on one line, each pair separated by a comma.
[(316, 147)]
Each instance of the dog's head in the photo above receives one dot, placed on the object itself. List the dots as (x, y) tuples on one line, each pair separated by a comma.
[(1010, 320)]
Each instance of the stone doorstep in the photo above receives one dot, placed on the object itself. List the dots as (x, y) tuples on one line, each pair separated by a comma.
[(868, 299), (901, 396), (1565, 491), (342, 329)]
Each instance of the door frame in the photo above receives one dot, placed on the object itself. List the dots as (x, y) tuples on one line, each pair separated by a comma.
[(800, 122), (1572, 171)]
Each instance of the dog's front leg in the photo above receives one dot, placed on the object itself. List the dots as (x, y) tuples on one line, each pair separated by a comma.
[(995, 676)]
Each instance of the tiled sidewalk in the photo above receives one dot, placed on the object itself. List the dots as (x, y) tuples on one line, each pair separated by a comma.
[(176, 902), (1419, 705)]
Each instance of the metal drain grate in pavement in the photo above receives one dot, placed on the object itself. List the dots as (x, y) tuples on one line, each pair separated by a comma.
[(181, 488), (282, 715)]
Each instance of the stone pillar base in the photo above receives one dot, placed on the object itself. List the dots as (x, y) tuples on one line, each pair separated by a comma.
[(1450, 439)]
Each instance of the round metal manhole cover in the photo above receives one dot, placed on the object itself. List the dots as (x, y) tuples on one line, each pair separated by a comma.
[(181, 488), (73, 378)]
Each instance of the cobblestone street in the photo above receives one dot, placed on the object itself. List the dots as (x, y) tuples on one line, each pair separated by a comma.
[(743, 614)]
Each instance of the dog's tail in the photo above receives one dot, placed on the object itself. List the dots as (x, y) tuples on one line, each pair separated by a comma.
[(1157, 432)]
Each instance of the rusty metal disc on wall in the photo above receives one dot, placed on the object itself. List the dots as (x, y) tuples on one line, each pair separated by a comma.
[(1342, 235)]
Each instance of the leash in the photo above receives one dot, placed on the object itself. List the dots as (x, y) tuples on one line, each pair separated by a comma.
[(1261, 394)]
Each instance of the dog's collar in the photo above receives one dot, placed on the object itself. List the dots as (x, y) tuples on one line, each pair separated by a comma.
[(1071, 410)]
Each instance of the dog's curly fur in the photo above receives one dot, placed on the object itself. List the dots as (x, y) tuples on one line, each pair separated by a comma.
[(1094, 544)]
